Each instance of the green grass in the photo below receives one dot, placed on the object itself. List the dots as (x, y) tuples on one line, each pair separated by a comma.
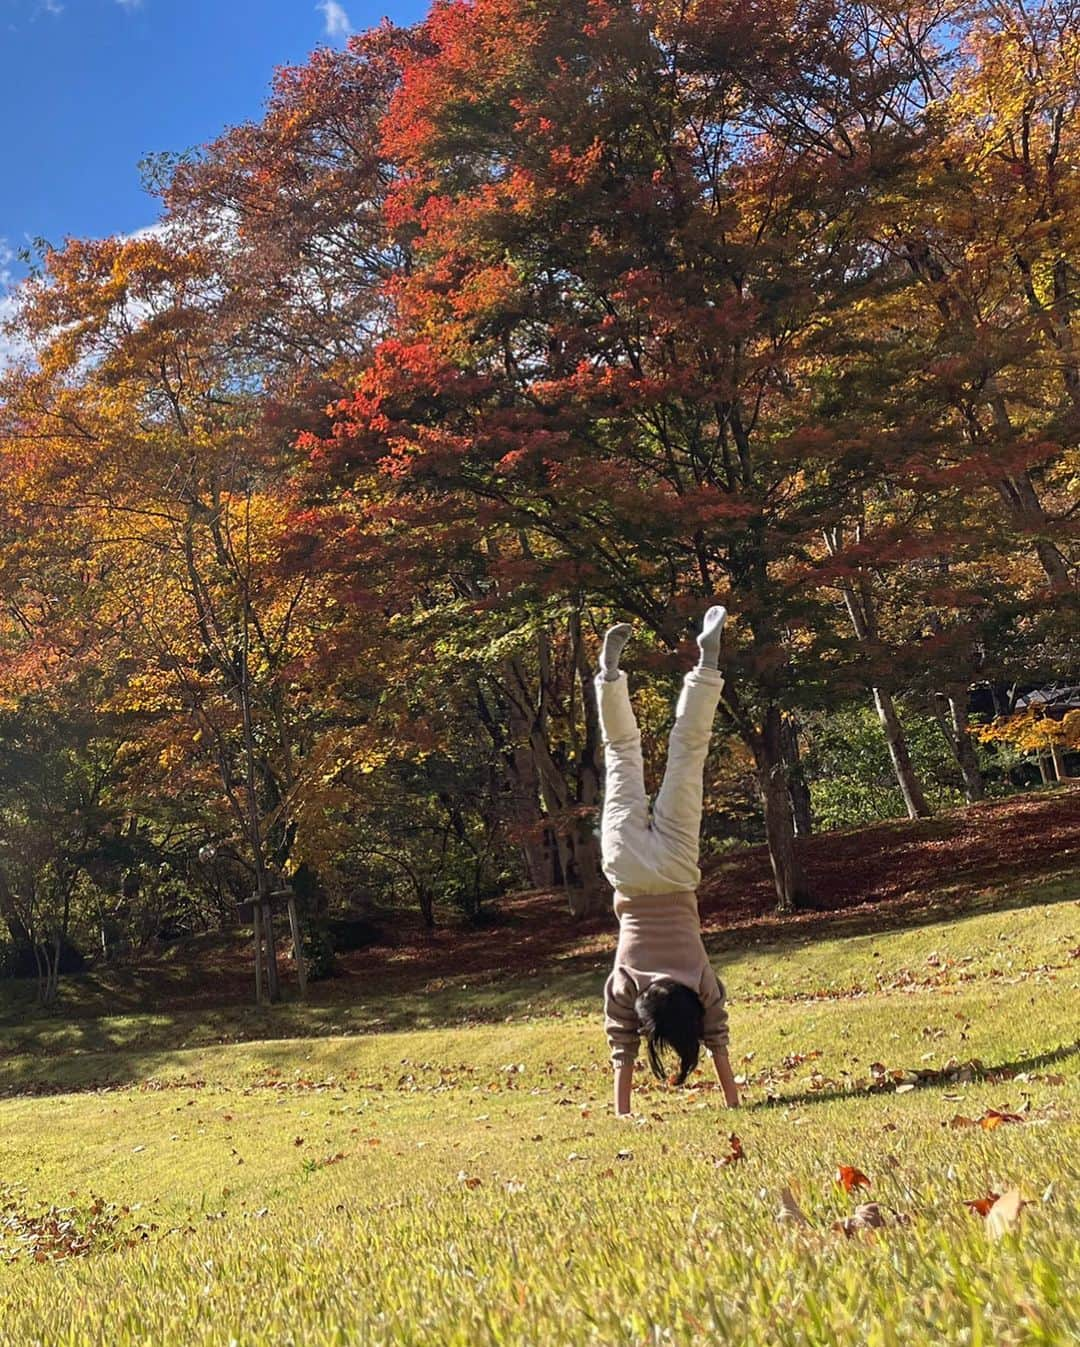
[(580, 1229)]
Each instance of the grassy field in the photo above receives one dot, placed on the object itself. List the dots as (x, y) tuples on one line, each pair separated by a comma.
[(200, 1178)]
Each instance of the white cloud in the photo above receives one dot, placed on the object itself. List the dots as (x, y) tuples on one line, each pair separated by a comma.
[(337, 21), (130, 4), (11, 345), (52, 6)]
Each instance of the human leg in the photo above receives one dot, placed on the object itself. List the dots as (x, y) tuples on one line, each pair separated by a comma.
[(676, 815), (625, 819), (615, 639), (712, 629), (625, 801)]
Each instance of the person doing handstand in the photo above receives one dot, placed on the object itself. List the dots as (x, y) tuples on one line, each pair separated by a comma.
[(662, 987)]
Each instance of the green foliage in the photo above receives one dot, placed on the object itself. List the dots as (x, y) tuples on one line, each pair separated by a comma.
[(851, 777), (317, 947)]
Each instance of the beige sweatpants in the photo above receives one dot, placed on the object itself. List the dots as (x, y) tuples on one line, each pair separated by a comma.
[(655, 853)]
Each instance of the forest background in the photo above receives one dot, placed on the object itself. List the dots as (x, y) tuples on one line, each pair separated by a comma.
[(315, 496)]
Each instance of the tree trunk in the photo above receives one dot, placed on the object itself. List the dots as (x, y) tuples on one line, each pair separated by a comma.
[(273, 983), (54, 972), (534, 839), (508, 729), (590, 890), (47, 958), (914, 800), (585, 887), (861, 609), (792, 887), (578, 849), (1058, 759), (801, 812), (950, 712), (1020, 496)]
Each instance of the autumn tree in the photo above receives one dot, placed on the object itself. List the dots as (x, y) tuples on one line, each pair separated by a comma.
[(979, 242), (138, 450), (623, 234)]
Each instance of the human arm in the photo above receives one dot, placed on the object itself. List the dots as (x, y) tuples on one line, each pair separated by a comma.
[(725, 1076), (716, 1034), (621, 1027), (624, 1079)]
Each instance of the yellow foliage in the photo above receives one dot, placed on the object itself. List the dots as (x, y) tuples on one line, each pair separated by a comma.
[(1031, 731)]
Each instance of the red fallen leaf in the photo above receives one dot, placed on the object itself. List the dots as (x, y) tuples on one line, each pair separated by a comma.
[(981, 1205), (962, 1120), (994, 1118), (734, 1155), (468, 1180), (851, 1178)]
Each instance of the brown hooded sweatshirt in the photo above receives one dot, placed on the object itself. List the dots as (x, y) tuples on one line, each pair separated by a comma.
[(659, 936)]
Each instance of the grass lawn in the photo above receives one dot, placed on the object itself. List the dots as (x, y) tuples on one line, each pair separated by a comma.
[(462, 1182)]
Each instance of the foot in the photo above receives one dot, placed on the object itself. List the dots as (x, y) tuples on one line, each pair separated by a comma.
[(615, 638), (709, 641)]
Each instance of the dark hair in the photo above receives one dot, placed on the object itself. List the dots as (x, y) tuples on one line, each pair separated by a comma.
[(671, 1016)]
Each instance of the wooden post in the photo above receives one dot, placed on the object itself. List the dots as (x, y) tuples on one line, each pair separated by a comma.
[(297, 944), (257, 921), (273, 989)]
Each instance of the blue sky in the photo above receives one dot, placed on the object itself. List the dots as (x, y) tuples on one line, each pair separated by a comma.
[(88, 87)]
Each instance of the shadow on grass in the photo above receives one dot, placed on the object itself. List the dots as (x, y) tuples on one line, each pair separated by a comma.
[(1003, 855), (779, 934), (1003, 1071)]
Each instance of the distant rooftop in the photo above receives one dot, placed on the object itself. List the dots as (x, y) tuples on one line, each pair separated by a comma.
[(1058, 697)]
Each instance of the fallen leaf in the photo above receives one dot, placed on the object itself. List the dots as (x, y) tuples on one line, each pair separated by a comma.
[(994, 1118), (789, 1209), (903, 1089), (469, 1181), (982, 1205), (867, 1216), (734, 1155), (851, 1178)]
